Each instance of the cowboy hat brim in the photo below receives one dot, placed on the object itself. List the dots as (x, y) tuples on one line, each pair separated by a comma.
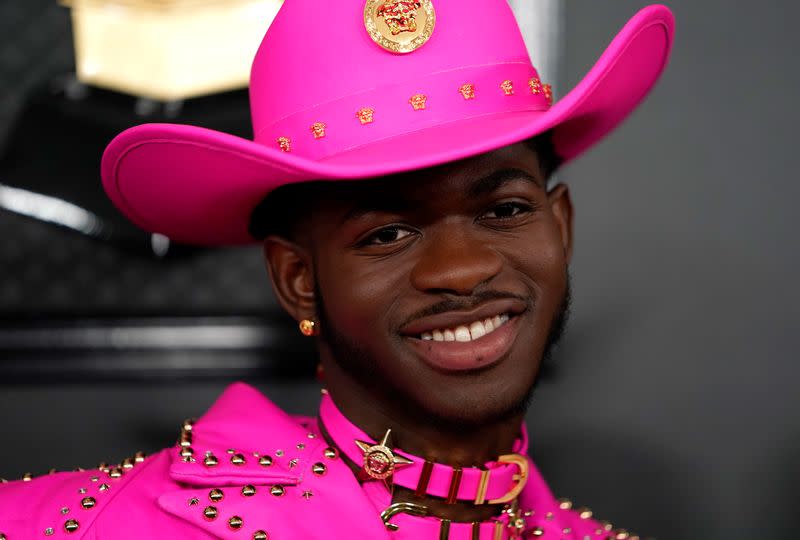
[(199, 186)]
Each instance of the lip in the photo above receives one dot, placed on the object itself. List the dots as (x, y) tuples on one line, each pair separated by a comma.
[(457, 356), (451, 319)]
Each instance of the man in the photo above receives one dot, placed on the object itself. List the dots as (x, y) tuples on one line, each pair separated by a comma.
[(399, 184)]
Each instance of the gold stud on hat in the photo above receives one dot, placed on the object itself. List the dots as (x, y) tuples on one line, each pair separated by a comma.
[(318, 129), (548, 93), (535, 85), (366, 115), (308, 327), (418, 101), (467, 91), (285, 144)]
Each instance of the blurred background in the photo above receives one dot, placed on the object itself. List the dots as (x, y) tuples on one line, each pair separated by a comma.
[(672, 407)]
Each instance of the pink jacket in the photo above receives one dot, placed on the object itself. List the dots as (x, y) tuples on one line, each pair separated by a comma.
[(272, 480)]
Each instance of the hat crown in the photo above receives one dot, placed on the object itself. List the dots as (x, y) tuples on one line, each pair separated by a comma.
[(320, 52)]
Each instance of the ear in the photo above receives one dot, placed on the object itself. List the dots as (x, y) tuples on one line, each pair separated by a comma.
[(292, 276), (561, 206)]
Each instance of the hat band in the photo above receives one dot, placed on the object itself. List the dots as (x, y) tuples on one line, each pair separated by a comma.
[(389, 111)]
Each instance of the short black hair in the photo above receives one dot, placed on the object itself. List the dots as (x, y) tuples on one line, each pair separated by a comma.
[(279, 212)]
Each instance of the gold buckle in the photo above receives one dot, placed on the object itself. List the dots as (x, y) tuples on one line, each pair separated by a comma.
[(402, 508), (521, 479)]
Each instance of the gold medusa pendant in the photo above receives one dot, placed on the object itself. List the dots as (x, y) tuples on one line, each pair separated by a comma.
[(399, 26)]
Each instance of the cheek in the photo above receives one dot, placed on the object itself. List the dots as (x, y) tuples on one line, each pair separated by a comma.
[(359, 294), (542, 259)]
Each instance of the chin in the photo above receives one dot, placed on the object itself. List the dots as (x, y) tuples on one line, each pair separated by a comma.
[(475, 398)]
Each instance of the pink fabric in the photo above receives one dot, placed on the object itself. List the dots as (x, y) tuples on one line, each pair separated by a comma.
[(318, 64), (153, 500)]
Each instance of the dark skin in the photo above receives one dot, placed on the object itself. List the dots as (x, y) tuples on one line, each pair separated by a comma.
[(373, 256)]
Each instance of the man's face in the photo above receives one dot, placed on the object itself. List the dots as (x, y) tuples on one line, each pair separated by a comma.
[(440, 289)]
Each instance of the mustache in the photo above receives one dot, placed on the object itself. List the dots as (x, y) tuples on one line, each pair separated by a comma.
[(466, 304)]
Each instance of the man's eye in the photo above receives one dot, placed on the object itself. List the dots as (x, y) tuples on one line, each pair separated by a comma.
[(387, 235), (506, 211)]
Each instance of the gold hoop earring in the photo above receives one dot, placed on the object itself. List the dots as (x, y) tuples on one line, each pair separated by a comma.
[(308, 327)]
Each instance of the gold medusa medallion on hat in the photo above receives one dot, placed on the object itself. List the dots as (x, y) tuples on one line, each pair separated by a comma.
[(400, 26)]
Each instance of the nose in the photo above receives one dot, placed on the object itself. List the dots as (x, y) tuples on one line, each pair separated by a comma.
[(454, 261)]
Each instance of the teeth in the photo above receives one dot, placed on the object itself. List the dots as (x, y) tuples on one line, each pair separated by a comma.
[(462, 334), (489, 325), (474, 330), (477, 330)]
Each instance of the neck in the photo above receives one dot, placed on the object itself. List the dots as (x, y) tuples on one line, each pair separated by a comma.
[(414, 433)]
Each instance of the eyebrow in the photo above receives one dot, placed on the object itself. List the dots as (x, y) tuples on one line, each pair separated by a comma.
[(360, 210), (498, 179), (482, 186)]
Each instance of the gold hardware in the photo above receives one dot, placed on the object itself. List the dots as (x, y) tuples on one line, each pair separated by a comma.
[(535, 85), (483, 483), (476, 530), (318, 129), (402, 508), (498, 531), (444, 530), (366, 115), (516, 523), (418, 101), (216, 495), (399, 26), (520, 479), (308, 327), (467, 91), (210, 513), (508, 87), (455, 483), (285, 144), (379, 459)]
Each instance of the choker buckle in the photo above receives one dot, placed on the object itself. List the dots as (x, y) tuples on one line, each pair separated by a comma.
[(402, 508), (521, 479)]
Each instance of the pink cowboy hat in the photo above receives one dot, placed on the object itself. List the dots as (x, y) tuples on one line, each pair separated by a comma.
[(343, 90)]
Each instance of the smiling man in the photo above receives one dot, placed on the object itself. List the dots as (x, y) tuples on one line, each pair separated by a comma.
[(398, 182)]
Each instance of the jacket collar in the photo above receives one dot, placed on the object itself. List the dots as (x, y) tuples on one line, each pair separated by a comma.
[(242, 438), (251, 461)]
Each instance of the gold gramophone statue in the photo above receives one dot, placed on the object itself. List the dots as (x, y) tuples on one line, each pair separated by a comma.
[(168, 50)]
